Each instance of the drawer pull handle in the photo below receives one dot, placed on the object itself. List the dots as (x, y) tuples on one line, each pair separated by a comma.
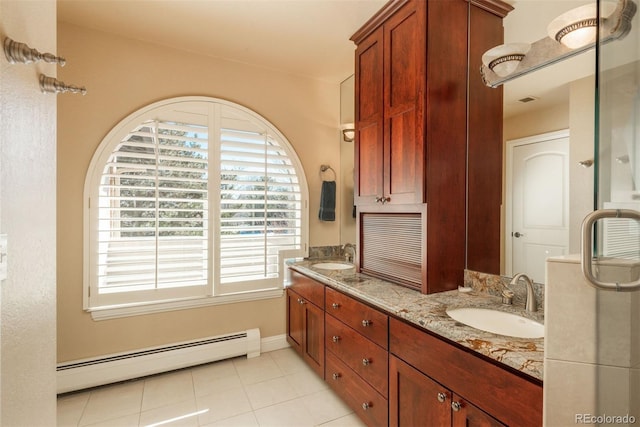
[(335, 305), (336, 376), (366, 405), (365, 362), (442, 397), (456, 406), (366, 323), (335, 338)]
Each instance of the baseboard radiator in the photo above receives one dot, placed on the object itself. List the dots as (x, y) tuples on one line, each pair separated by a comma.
[(88, 373)]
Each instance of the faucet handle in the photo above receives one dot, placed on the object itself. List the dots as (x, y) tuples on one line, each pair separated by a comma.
[(507, 296)]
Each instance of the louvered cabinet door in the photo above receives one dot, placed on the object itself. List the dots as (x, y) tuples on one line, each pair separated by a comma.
[(392, 247)]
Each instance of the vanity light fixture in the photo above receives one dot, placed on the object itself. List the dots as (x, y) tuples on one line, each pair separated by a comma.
[(572, 33), (348, 132), (578, 27), (504, 59)]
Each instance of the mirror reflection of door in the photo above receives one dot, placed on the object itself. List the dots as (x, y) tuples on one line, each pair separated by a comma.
[(537, 200)]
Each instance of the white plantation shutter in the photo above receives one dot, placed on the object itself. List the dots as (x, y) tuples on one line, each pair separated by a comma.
[(196, 206), (260, 203)]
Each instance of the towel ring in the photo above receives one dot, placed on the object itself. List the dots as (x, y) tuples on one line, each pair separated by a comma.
[(324, 168)]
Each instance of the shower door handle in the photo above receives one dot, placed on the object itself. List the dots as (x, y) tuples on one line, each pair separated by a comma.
[(586, 257)]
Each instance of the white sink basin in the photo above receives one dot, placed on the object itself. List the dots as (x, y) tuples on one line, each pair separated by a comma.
[(498, 322), (333, 266)]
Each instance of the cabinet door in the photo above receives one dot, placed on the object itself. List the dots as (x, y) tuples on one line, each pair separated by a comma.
[(305, 330), (369, 120), (467, 415), (415, 399), (295, 321), (313, 344), (405, 51)]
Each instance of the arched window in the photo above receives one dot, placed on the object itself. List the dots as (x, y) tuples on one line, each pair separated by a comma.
[(191, 198)]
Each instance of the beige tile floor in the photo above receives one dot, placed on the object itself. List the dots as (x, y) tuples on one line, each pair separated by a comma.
[(275, 389)]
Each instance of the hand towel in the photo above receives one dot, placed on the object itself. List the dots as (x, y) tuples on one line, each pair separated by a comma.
[(328, 201)]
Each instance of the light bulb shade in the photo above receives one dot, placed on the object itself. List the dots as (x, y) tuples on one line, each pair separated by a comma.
[(348, 132), (578, 27), (504, 59)]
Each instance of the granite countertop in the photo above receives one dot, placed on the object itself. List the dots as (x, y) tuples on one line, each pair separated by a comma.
[(429, 312)]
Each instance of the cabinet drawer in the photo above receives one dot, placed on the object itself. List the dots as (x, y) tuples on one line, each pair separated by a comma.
[(511, 398), (366, 320), (307, 288), (366, 358), (367, 403)]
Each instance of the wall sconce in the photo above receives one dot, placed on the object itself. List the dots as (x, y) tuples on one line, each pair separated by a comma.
[(570, 34), (348, 132)]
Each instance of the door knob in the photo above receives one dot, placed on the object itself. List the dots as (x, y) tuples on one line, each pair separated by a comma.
[(517, 234)]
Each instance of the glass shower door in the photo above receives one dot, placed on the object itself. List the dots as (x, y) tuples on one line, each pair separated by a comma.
[(617, 240)]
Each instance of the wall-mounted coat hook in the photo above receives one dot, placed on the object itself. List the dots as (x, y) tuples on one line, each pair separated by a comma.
[(52, 85), (21, 53)]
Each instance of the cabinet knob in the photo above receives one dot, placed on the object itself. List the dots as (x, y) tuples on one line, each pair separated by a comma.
[(385, 200), (335, 338), (456, 406), (366, 405), (379, 199), (366, 323), (442, 397), (365, 362), (301, 301), (336, 376), (335, 305)]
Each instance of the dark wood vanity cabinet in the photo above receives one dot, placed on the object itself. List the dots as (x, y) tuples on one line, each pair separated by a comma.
[(417, 100), (393, 373), (454, 386), (418, 400), (305, 320), (357, 356)]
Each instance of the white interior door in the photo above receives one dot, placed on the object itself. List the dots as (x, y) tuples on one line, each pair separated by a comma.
[(537, 203)]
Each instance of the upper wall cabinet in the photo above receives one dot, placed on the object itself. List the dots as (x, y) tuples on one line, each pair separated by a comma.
[(390, 66), (415, 109)]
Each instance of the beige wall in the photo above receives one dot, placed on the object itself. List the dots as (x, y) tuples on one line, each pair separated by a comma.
[(124, 75), (28, 208)]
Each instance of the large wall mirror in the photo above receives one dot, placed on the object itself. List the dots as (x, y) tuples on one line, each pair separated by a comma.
[(553, 103)]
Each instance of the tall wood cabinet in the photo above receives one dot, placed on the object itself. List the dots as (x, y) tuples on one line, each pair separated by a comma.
[(412, 114)]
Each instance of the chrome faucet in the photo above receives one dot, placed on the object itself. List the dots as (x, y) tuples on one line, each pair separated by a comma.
[(347, 256), (530, 303)]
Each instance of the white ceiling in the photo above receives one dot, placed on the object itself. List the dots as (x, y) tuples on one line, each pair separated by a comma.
[(307, 37)]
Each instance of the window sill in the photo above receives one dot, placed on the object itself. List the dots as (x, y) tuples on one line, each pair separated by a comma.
[(114, 312)]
